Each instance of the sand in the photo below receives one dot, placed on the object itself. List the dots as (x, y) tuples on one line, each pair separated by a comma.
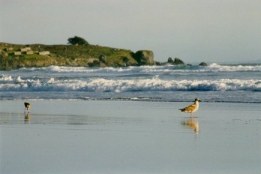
[(128, 137)]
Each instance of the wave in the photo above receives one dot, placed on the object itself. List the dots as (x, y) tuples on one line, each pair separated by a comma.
[(214, 67), (8, 83), (234, 68)]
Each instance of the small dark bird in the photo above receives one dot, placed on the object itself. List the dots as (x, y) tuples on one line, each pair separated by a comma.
[(191, 108), (27, 105)]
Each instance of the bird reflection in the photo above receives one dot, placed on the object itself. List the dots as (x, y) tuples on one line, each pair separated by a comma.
[(27, 118), (192, 123)]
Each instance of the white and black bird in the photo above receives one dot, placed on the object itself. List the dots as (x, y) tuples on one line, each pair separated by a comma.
[(191, 108), (26, 111), (27, 105)]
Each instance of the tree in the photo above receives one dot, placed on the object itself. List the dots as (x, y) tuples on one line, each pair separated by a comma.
[(77, 41), (170, 60)]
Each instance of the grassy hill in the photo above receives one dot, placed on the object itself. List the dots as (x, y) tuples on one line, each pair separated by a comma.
[(14, 56)]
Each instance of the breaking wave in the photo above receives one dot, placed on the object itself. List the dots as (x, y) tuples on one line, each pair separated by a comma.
[(214, 67), (234, 68), (9, 83), (218, 83)]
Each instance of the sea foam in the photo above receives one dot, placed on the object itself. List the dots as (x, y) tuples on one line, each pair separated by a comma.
[(214, 67), (119, 85)]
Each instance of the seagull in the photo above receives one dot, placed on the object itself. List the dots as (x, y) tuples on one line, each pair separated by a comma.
[(191, 108)]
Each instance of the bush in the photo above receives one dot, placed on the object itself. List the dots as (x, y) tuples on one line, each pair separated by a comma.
[(170, 60), (77, 41)]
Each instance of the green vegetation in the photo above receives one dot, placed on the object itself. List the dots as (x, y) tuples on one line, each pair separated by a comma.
[(78, 53), (14, 56)]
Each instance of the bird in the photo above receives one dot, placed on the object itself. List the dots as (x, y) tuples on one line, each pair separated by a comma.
[(27, 105), (26, 111), (191, 108)]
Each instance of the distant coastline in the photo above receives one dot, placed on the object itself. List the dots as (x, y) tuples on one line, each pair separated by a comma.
[(14, 56)]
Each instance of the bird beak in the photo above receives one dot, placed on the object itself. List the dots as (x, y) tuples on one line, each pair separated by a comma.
[(199, 100)]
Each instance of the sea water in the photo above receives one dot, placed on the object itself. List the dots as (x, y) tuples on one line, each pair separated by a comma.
[(213, 83), (127, 120), (129, 137)]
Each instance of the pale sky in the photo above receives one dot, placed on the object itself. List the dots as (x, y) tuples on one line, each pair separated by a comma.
[(193, 30)]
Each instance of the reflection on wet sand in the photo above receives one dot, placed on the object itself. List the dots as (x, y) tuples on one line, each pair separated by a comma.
[(192, 123), (27, 117)]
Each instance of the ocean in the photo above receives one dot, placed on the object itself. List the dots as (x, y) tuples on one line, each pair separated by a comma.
[(127, 120), (213, 83)]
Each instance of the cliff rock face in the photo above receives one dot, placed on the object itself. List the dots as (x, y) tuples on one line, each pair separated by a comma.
[(178, 61), (203, 64), (144, 57)]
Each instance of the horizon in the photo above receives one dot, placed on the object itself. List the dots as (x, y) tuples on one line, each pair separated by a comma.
[(226, 31)]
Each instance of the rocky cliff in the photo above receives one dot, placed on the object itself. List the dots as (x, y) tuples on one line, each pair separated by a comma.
[(14, 56)]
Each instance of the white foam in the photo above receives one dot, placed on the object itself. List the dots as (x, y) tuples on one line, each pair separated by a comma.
[(7, 78), (230, 68), (214, 67), (117, 85)]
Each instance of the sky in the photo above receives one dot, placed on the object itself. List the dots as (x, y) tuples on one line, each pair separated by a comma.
[(194, 30)]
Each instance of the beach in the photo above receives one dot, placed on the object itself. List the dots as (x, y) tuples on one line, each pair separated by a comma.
[(122, 137), (103, 87)]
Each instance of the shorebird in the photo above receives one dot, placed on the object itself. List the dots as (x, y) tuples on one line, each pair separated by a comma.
[(191, 108), (26, 111), (27, 105)]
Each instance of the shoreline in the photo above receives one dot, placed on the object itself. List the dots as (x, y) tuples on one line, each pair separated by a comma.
[(129, 137), (125, 100)]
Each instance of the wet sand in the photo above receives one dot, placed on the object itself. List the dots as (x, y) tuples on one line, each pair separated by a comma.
[(127, 137)]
